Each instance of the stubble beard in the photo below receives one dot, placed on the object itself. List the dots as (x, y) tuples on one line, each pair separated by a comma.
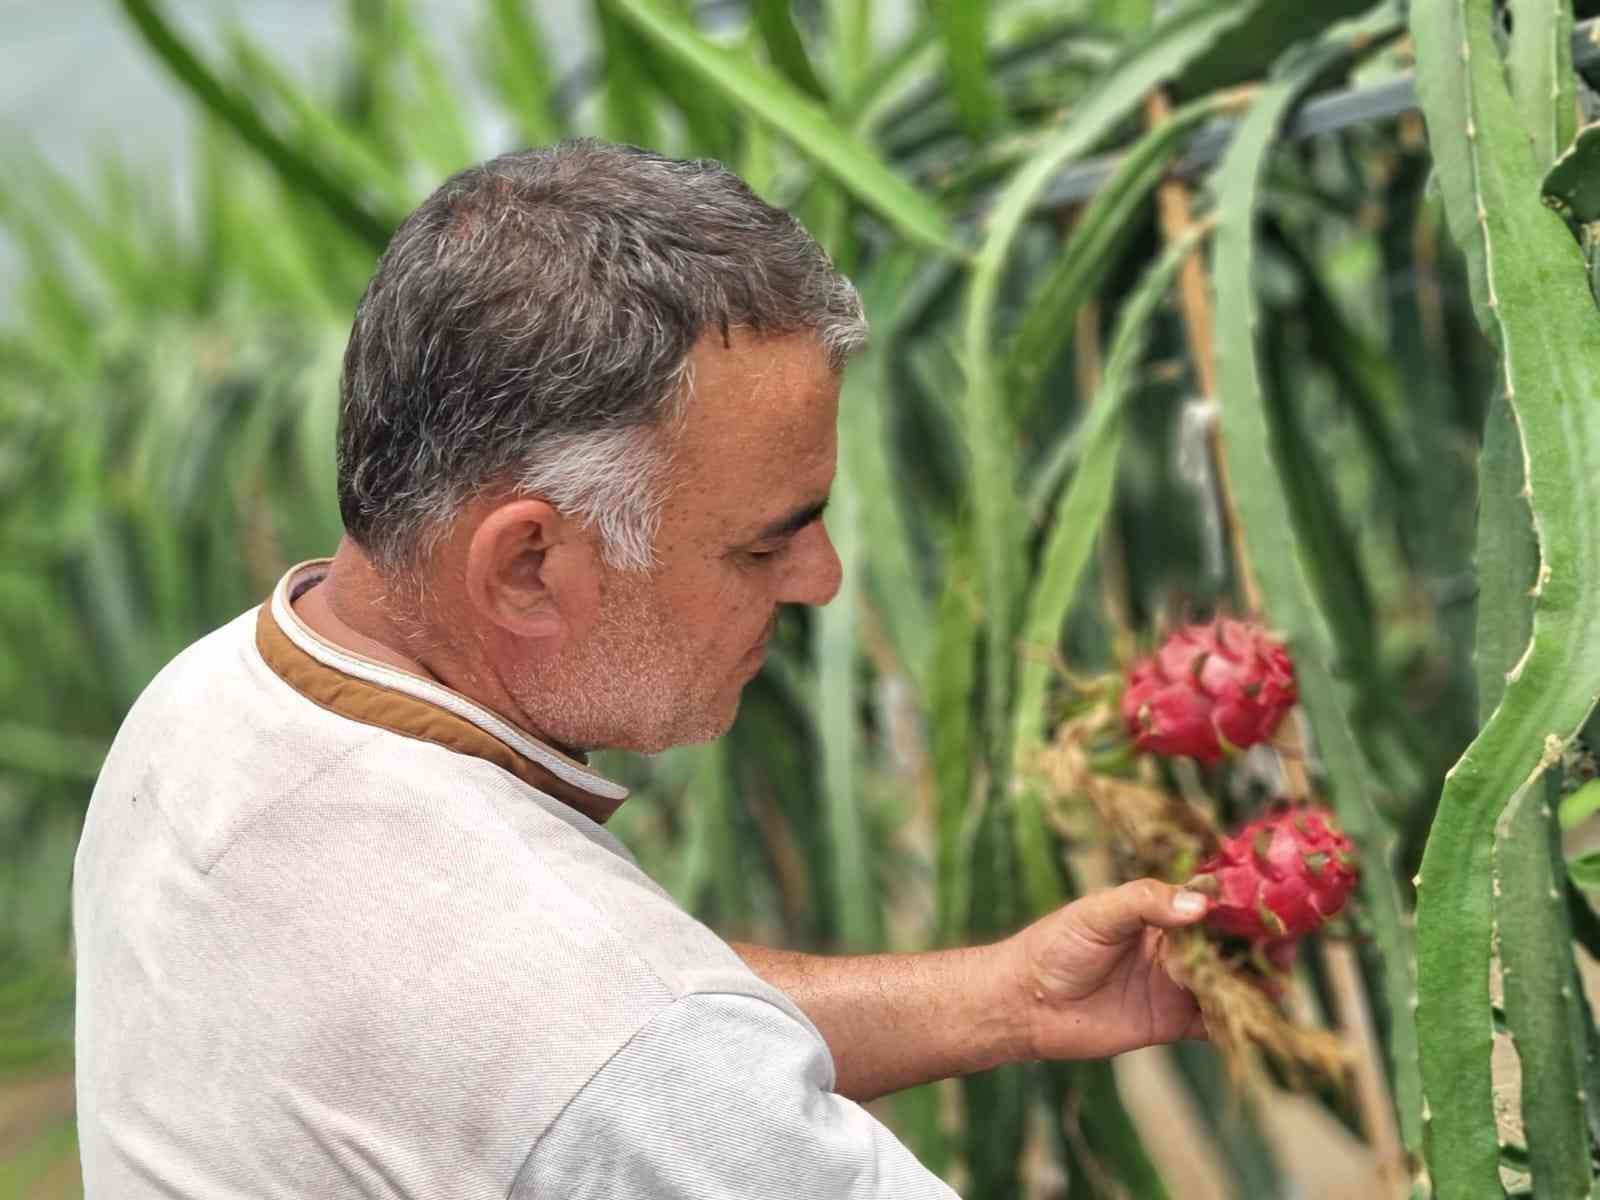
[(630, 685)]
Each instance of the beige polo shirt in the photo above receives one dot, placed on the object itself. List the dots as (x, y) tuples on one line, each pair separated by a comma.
[(342, 932)]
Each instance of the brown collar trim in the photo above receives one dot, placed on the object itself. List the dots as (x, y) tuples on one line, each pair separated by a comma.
[(372, 704)]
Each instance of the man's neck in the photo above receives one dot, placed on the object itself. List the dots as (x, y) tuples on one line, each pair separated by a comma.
[(354, 607), (349, 607)]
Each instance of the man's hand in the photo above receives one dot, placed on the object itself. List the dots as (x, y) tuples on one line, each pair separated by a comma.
[(1084, 982), (1090, 979)]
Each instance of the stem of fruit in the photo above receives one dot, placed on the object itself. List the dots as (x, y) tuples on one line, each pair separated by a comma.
[(1373, 1105), (1194, 299)]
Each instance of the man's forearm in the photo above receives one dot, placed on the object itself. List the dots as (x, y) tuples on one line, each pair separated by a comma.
[(1088, 980), (896, 1020)]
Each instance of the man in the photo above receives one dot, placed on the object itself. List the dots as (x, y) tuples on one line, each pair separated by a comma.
[(347, 917)]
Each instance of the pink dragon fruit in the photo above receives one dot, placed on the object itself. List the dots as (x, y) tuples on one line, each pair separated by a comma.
[(1281, 876), (1209, 689)]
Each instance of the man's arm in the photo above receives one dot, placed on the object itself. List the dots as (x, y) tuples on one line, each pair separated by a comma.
[(1087, 981), (893, 1021)]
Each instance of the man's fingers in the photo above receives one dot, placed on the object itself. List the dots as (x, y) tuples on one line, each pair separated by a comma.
[(1119, 913)]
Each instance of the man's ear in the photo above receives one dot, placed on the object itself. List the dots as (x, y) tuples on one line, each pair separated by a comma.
[(528, 570)]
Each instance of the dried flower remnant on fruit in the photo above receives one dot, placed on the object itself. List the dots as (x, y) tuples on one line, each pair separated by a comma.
[(1281, 876), (1209, 689)]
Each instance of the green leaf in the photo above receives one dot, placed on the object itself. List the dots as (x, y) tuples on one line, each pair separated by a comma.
[(1584, 870), (1539, 59), (321, 131), (1573, 184), (964, 27), (950, 726), (1247, 1153), (996, 508), (798, 118), (849, 25), (520, 68), (1259, 493), (1585, 924), (707, 849), (49, 752), (1507, 557), (1073, 533), (917, 1122), (866, 446), (906, 84), (1104, 226), (1545, 1013), (837, 651), (1270, 30), (626, 101), (1327, 548), (1367, 383), (1125, 16), (839, 733), (437, 124), (710, 123), (299, 170), (116, 258), (995, 1108), (1532, 297), (775, 23), (1580, 805), (1109, 1129)]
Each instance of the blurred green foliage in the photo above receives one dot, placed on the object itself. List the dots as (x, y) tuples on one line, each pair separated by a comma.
[(168, 393)]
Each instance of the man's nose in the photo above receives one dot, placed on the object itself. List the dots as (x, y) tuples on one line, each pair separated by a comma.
[(815, 571)]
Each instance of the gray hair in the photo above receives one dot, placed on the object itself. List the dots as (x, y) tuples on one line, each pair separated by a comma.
[(529, 328)]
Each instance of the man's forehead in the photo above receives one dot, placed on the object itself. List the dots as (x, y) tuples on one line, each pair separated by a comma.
[(750, 383), (758, 400), (757, 441)]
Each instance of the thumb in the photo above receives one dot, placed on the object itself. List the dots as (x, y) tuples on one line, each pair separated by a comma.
[(1119, 913)]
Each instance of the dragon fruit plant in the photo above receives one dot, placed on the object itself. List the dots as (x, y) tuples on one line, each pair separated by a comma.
[(1280, 877), (1209, 689)]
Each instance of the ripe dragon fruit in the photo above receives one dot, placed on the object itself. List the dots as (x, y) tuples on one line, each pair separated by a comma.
[(1207, 690), (1281, 876)]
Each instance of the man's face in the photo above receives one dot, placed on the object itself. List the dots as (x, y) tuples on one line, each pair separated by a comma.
[(670, 650)]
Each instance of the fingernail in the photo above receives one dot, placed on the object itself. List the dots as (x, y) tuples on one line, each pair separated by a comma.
[(1188, 904)]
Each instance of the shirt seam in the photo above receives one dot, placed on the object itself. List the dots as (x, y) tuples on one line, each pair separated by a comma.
[(246, 827)]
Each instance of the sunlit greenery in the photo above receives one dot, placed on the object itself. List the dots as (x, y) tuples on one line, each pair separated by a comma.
[(168, 392)]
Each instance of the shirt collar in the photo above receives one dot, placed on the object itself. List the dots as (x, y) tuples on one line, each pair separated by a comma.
[(376, 693)]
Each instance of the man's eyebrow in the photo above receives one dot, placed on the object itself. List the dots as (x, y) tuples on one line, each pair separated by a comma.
[(792, 523)]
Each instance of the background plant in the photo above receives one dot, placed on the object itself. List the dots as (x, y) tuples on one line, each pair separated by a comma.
[(1049, 454)]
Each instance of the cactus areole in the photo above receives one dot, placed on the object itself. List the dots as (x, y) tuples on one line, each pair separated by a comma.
[(1281, 876), (1209, 689)]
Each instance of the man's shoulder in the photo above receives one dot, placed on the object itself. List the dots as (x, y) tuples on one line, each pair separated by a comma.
[(213, 739), (246, 775), (470, 851)]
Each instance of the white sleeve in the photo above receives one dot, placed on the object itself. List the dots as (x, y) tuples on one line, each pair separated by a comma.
[(720, 1096)]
